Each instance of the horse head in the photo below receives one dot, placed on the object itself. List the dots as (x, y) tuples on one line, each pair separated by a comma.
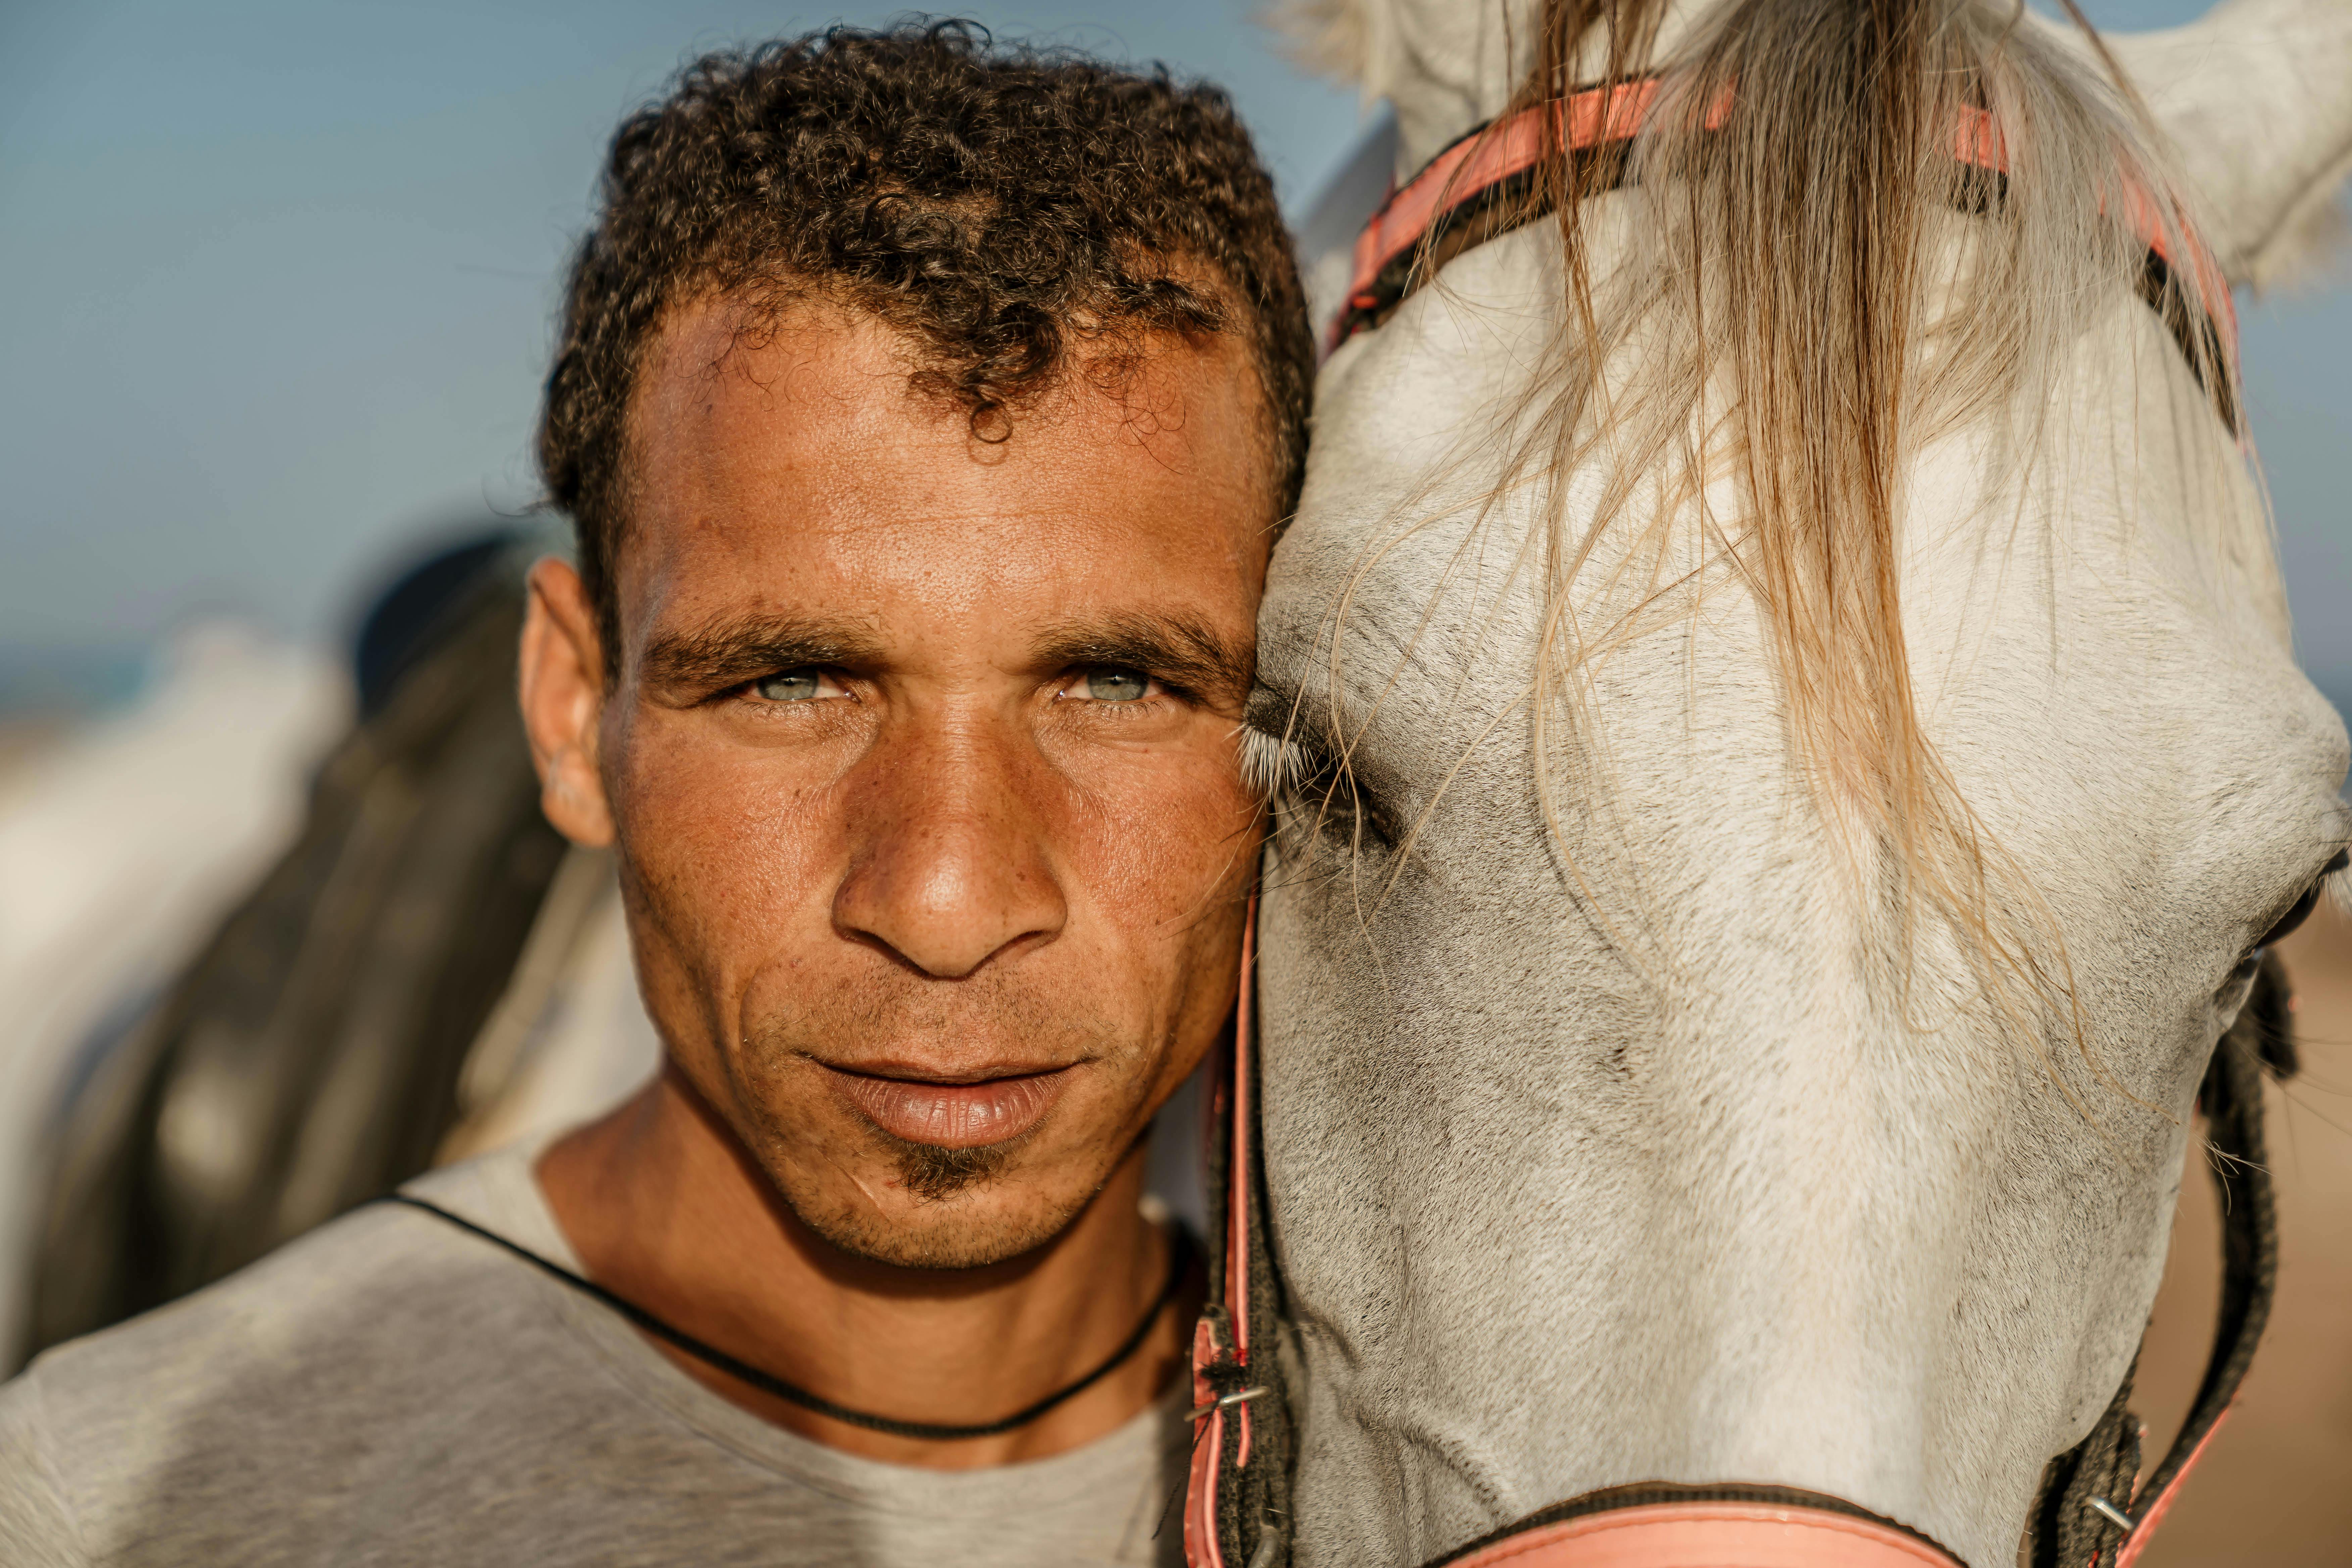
[(1784, 746)]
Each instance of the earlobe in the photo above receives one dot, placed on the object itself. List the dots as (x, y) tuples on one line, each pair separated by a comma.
[(561, 690)]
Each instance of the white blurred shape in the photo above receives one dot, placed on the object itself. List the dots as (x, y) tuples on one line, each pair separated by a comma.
[(121, 845)]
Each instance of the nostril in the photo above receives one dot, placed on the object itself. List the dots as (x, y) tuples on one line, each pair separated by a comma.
[(948, 900), (943, 940)]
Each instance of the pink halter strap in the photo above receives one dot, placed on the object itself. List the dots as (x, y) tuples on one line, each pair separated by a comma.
[(1504, 149), (1213, 1411), (1711, 1535)]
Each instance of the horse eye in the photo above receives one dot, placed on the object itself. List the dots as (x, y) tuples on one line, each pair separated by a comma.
[(1308, 789), (2300, 911)]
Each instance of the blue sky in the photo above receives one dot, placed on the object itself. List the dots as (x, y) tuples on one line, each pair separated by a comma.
[(279, 278)]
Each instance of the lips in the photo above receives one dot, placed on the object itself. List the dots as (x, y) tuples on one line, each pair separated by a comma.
[(954, 1115)]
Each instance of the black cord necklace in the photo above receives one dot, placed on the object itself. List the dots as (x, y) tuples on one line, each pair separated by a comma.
[(1180, 1263)]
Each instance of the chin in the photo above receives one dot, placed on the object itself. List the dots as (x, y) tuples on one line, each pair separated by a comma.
[(916, 1205)]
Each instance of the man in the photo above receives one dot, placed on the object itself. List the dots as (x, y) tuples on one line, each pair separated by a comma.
[(926, 412)]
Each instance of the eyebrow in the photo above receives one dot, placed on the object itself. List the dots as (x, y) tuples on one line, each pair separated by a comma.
[(732, 652), (1178, 650)]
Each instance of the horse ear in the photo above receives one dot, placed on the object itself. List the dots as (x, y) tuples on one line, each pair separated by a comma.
[(1330, 37), (2256, 96)]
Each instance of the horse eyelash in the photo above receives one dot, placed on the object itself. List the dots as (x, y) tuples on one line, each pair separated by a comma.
[(1271, 767)]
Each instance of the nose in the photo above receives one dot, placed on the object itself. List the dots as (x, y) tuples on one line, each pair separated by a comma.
[(951, 862)]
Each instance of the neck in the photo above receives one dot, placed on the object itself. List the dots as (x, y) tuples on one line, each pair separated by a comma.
[(664, 1208)]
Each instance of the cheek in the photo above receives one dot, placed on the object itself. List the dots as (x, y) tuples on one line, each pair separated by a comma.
[(1162, 845), (725, 849)]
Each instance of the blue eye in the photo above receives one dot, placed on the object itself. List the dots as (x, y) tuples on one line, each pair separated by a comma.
[(788, 686), (1117, 685)]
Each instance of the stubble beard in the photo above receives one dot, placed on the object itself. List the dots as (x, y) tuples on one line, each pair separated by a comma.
[(954, 1226), (931, 1174)]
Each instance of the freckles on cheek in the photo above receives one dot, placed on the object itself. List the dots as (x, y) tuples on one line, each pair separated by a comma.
[(733, 853), (1171, 859), (1171, 844)]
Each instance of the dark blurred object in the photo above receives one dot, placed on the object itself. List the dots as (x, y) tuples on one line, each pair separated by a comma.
[(308, 1059), (407, 619)]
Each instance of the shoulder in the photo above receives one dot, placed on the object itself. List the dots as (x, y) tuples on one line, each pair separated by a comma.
[(368, 1285), (290, 1373), (37, 1524)]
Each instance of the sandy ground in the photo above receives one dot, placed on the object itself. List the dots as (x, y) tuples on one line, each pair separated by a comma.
[(2275, 1487)]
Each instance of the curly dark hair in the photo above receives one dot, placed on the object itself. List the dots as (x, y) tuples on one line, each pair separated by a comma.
[(997, 206)]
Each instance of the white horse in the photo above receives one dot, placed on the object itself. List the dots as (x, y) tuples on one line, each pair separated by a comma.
[(1780, 707)]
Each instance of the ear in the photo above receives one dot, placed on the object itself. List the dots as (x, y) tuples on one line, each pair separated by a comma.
[(562, 691), (1332, 39), (2257, 97)]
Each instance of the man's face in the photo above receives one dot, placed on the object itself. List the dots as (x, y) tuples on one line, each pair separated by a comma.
[(920, 752)]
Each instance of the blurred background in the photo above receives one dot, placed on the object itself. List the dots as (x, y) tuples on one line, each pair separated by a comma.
[(280, 272), (280, 286)]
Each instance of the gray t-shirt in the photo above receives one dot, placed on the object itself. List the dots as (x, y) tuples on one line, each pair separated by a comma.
[(391, 1391)]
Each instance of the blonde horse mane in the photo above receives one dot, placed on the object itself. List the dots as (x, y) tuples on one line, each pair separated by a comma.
[(1758, 371)]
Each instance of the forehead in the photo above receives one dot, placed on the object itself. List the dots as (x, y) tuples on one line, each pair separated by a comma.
[(776, 459)]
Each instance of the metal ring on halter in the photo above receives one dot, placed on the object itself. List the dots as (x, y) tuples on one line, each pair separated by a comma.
[(2113, 1514), (1228, 1402)]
